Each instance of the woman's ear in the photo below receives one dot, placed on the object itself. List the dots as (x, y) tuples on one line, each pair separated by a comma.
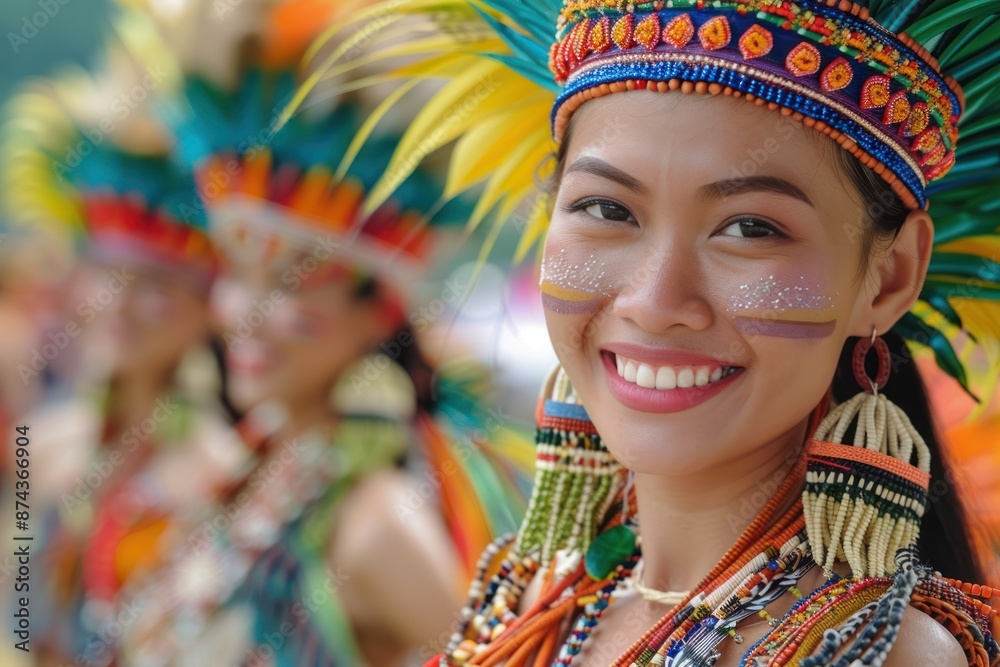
[(898, 272)]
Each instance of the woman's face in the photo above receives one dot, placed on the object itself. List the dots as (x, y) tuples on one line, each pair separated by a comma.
[(287, 339), (149, 320), (701, 274)]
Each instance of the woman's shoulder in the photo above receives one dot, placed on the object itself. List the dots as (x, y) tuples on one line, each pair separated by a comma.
[(925, 641), (388, 510), (925, 618)]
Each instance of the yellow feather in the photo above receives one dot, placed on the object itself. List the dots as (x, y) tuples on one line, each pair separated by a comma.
[(514, 173), (535, 228), (982, 246), (483, 148), (364, 132), (471, 98)]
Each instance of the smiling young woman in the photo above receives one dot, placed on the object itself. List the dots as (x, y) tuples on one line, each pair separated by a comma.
[(723, 476)]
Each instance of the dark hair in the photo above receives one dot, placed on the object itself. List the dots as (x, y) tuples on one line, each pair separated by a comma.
[(218, 350), (946, 539), (409, 356)]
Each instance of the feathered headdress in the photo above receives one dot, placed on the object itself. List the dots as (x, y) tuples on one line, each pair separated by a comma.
[(85, 160), (859, 74), (274, 186)]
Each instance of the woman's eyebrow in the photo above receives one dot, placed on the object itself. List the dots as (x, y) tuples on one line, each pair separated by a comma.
[(598, 167), (738, 186)]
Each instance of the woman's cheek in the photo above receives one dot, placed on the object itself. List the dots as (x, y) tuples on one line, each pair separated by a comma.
[(790, 306), (579, 278)]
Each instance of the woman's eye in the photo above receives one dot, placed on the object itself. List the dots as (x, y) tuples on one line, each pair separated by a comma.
[(606, 210), (750, 228)]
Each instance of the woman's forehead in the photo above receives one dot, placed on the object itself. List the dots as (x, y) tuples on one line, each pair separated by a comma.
[(694, 133)]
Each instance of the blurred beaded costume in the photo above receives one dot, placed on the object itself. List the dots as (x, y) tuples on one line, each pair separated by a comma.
[(276, 199), (842, 69), (113, 193)]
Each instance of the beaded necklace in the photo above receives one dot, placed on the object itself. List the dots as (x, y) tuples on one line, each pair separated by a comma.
[(812, 633), (206, 573)]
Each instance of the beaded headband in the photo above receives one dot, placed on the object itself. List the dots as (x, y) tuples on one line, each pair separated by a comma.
[(880, 96)]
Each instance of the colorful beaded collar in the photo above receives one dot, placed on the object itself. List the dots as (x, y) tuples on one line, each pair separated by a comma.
[(880, 96)]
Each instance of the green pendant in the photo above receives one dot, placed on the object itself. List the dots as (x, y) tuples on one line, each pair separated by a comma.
[(609, 550)]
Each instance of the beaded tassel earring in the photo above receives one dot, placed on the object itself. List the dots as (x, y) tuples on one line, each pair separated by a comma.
[(576, 480), (863, 502)]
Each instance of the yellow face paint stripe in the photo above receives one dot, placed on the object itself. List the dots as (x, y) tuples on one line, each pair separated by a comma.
[(565, 293), (790, 314)]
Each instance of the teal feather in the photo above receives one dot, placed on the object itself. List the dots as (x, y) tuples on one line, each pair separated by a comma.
[(913, 328), (528, 52), (928, 26), (939, 303), (153, 179)]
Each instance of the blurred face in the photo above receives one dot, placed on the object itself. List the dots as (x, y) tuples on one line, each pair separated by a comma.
[(290, 344), (700, 276), (146, 321)]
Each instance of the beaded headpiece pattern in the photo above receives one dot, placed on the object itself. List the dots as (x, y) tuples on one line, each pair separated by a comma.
[(274, 183), (64, 175), (842, 68)]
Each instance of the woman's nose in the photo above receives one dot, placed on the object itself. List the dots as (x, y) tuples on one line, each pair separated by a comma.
[(666, 290), (230, 300)]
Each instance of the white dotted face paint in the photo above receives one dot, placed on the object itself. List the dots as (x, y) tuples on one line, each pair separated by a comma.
[(572, 287), (772, 306)]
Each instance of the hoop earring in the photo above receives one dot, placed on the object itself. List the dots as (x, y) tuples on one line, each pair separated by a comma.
[(863, 501)]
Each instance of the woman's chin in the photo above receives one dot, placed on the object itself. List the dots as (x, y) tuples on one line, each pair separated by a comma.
[(246, 392)]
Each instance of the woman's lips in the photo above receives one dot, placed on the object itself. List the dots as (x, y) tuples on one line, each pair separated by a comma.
[(247, 359), (664, 381)]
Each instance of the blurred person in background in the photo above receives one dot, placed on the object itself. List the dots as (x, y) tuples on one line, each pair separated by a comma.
[(142, 438), (377, 477), (34, 276)]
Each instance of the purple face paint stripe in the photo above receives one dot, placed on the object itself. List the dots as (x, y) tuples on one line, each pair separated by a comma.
[(784, 329), (563, 307)]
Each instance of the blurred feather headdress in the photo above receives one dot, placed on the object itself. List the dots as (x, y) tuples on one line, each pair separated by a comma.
[(86, 160), (277, 186)]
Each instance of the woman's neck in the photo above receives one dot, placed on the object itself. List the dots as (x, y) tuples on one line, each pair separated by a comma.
[(689, 522), (132, 397), (303, 416)]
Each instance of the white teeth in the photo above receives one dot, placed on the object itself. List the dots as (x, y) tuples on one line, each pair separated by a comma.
[(646, 377), (666, 378), (650, 376)]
